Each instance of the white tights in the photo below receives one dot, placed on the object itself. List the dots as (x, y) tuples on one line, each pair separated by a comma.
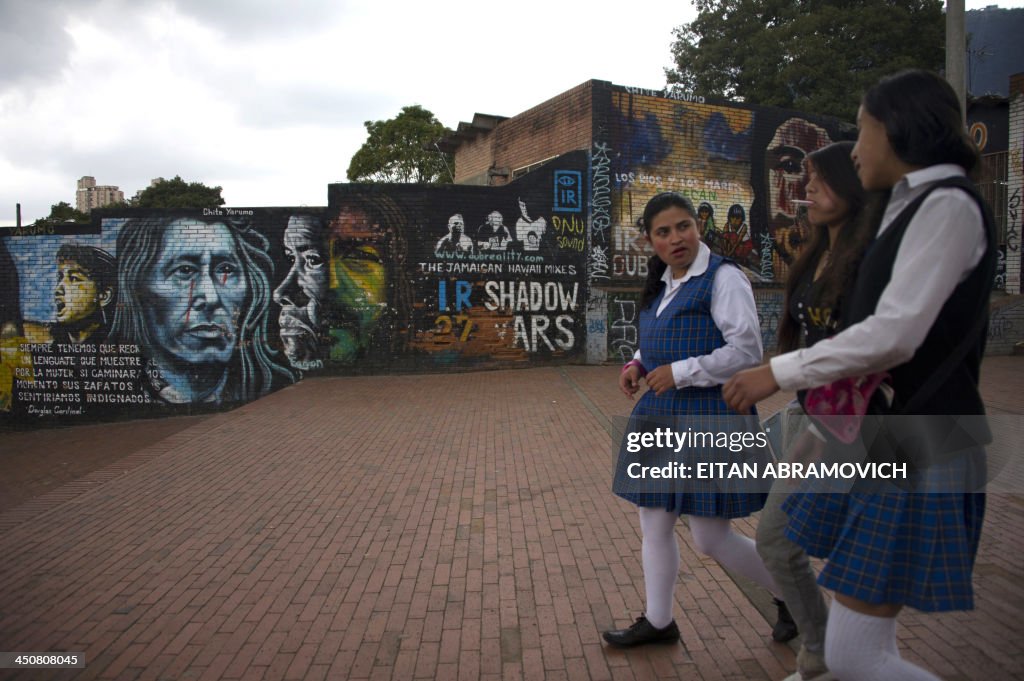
[(862, 647), (712, 536)]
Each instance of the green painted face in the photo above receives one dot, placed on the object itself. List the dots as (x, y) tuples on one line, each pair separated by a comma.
[(358, 282)]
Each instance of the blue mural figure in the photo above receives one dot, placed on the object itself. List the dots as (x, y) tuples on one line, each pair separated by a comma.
[(645, 145), (721, 142), (195, 296)]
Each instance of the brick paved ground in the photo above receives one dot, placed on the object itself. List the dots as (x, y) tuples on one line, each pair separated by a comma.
[(453, 526)]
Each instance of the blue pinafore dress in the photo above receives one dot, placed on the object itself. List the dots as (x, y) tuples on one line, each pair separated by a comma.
[(686, 329)]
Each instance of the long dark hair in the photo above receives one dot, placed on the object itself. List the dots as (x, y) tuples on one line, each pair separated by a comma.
[(922, 119), (656, 266), (835, 167)]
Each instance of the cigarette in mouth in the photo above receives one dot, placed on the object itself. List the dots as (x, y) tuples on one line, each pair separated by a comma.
[(801, 202)]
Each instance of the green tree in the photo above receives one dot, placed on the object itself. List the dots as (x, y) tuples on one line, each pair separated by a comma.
[(401, 149), (177, 193), (817, 56), (63, 212)]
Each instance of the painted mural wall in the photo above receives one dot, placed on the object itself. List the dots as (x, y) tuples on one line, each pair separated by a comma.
[(742, 167), (145, 312)]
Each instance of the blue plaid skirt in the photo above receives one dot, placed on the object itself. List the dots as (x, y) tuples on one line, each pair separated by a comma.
[(895, 547), (706, 499)]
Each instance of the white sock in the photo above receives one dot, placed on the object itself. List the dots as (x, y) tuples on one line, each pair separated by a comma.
[(714, 537), (863, 648), (660, 552)]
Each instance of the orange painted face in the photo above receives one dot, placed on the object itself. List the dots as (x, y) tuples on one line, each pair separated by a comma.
[(793, 140), (675, 238)]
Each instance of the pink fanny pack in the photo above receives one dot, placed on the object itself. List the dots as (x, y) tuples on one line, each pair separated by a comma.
[(843, 404)]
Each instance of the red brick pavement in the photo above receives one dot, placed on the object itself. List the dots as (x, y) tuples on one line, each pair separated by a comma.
[(444, 526)]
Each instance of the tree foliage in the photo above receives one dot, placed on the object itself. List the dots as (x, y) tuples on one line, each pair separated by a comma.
[(401, 149), (817, 56), (63, 212), (177, 193)]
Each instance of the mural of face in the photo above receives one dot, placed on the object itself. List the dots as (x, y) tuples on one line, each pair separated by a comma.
[(456, 226), (303, 293), (77, 296), (493, 234), (196, 290), (357, 281), (793, 140)]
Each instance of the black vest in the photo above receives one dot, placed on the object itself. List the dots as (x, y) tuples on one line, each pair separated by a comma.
[(958, 394)]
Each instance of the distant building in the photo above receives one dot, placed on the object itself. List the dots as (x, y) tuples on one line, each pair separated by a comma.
[(994, 49), (90, 195), (152, 183)]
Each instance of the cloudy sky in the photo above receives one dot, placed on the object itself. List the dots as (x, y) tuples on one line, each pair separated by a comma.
[(267, 99)]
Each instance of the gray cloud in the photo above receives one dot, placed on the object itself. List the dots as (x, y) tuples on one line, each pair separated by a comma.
[(33, 43), (247, 19), (35, 46)]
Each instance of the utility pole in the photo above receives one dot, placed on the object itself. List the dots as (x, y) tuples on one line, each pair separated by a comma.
[(956, 46)]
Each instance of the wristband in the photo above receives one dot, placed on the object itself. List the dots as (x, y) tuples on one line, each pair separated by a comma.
[(635, 363)]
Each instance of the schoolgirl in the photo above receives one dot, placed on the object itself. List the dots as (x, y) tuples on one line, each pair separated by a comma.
[(841, 215), (698, 326), (920, 295)]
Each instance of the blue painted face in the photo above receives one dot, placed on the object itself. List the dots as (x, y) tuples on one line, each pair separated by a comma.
[(196, 292)]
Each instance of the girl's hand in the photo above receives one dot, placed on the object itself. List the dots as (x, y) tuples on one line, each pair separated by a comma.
[(629, 381), (661, 380), (747, 388)]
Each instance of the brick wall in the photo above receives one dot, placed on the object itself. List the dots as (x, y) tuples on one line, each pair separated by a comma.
[(555, 127), (473, 159), (146, 313)]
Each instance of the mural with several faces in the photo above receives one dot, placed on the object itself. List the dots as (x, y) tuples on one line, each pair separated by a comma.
[(144, 311)]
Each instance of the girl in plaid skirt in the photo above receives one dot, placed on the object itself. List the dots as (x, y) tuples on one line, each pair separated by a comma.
[(915, 299), (698, 326)]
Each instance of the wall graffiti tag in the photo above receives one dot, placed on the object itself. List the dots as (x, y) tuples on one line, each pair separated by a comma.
[(600, 218), (1013, 223), (623, 335)]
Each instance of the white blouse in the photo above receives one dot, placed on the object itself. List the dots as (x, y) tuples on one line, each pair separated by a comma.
[(942, 245)]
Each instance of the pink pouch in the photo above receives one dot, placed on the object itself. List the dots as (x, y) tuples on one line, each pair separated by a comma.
[(843, 403)]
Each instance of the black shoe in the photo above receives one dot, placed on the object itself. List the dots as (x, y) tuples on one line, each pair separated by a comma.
[(642, 632), (785, 628)]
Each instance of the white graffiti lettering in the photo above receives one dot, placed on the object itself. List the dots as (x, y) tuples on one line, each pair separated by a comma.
[(767, 270), (530, 296)]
